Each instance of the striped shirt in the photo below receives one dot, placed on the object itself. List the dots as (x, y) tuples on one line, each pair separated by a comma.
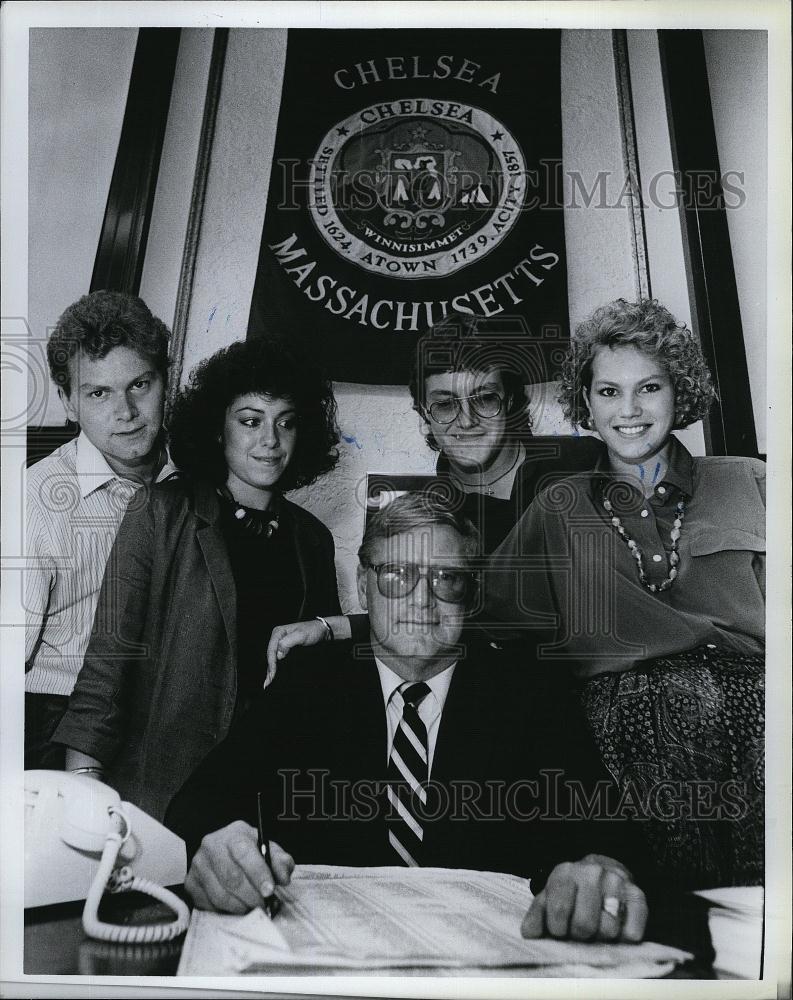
[(75, 504)]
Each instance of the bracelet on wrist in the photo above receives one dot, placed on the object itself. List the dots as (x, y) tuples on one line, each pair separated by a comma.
[(328, 629), (88, 770)]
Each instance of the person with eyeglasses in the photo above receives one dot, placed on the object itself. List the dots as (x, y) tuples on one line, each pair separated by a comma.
[(431, 748), (469, 386)]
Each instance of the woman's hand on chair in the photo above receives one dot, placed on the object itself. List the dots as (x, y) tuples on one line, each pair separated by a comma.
[(285, 638)]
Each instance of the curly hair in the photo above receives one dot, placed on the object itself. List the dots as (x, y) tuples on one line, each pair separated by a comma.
[(651, 328), (266, 368), (100, 321), (461, 343)]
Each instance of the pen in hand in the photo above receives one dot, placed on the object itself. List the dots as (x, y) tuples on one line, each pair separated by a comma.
[(272, 904)]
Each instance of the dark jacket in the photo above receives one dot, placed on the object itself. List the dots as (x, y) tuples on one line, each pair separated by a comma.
[(549, 458), (510, 741), (158, 686)]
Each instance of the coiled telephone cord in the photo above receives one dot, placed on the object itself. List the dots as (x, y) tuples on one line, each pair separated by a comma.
[(124, 881)]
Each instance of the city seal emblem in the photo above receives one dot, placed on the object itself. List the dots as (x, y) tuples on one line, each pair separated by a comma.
[(416, 188)]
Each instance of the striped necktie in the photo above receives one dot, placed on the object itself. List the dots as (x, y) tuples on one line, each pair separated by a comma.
[(408, 772)]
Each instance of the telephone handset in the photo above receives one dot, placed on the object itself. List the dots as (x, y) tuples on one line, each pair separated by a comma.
[(81, 839)]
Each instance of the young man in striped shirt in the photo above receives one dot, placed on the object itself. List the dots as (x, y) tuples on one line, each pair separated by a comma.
[(108, 356)]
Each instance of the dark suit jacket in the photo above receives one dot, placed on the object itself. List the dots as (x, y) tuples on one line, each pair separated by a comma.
[(322, 725), (158, 686)]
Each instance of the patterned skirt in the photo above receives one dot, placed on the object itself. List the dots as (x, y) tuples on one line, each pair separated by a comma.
[(684, 737)]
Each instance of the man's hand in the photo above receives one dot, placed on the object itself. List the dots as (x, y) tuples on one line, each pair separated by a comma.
[(589, 900), (285, 638), (229, 874)]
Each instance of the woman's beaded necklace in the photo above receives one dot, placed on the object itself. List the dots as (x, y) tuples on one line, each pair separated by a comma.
[(255, 522), (636, 552)]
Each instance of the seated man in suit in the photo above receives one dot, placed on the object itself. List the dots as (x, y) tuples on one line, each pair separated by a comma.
[(433, 749), (469, 387)]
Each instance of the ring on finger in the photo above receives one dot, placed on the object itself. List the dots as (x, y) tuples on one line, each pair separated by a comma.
[(612, 905)]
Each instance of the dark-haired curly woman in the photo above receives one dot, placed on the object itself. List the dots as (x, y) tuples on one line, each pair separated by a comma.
[(202, 571), (652, 569)]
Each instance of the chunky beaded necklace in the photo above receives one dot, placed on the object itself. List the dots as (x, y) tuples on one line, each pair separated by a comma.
[(254, 522), (636, 552)]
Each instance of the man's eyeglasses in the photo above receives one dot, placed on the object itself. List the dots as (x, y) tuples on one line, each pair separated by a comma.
[(395, 580), (486, 403)]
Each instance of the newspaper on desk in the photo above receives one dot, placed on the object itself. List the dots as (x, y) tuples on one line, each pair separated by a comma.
[(401, 921)]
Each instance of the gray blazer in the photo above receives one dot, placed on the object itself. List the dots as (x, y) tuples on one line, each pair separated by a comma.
[(158, 685)]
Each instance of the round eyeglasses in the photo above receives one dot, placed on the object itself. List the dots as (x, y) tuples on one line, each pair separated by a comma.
[(484, 404), (395, 580)]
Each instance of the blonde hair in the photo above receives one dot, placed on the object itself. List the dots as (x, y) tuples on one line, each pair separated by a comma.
[(651, 328)]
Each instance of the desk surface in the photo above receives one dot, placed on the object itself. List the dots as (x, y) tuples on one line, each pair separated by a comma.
[(55, 943)]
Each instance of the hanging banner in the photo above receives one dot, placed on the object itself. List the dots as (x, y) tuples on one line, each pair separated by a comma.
[(415, 174)]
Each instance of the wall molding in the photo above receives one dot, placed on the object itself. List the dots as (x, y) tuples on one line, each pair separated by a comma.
[(184, 293), (122, 242), (715, 309), (630, 158)]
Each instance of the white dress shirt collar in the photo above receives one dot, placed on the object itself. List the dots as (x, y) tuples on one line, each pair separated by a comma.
[(429, 708), (93, 469), (91, 465), (438, 685)]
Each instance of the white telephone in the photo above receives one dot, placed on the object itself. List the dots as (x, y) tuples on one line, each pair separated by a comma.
[(80, 839)]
